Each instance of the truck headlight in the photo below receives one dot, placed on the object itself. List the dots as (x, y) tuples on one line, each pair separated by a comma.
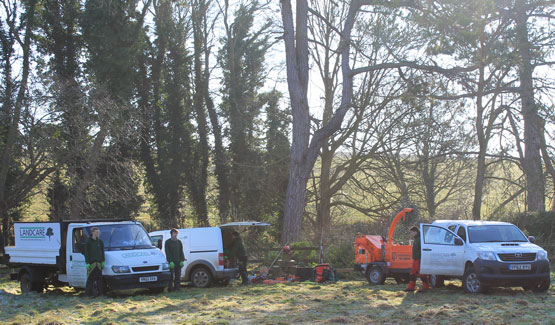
[(488, 256), (121, 269), (542, 255), (166, 266)]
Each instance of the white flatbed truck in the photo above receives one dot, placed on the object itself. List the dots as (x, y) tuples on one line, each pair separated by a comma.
[(51, 253)]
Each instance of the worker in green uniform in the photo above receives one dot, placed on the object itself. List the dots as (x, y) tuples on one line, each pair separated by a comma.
[(94, 259), (176, 258), (415, 270), (239, 252)]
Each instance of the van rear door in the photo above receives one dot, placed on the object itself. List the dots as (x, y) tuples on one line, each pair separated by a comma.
[(441, 255)]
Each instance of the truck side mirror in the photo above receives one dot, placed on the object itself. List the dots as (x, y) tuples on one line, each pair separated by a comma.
[(458, 242), (532, 239), (159, 243)]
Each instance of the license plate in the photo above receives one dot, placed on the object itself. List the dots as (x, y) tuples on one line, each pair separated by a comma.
[(519, 267), (148, 278)]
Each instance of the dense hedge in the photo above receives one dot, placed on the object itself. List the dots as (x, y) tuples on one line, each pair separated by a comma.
[(540, 225)]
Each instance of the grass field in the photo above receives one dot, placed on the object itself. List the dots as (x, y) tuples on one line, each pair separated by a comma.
[(352, 301)]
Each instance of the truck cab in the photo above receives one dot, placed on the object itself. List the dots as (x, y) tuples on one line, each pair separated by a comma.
[(482, 254), (53, 253)]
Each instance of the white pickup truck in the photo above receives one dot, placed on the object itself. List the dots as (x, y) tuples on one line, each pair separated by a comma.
[(52, 253), (483, 254)]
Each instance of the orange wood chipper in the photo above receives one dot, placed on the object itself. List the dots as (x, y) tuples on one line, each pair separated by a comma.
[(378, 257)]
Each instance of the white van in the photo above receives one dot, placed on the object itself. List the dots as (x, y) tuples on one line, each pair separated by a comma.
[(203, 249), (483, 254)]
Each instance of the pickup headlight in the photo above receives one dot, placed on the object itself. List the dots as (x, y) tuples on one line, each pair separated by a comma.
[(121, 269), (166, 266), (488, 256), (542, 255)]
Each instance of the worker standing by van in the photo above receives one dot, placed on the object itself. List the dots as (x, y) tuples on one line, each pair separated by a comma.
[(94, 259), (176, 258), (239, 252), (415, 269)]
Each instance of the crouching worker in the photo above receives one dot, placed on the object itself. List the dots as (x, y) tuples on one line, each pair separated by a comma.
[(239, 252), (415, 269), (174, 255), (94, 259)]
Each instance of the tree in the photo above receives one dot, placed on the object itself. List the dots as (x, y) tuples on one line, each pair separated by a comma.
[(241, 58), (166, 142), (17, 181)]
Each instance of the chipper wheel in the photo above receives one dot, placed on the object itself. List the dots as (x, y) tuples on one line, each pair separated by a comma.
[(375, 275)]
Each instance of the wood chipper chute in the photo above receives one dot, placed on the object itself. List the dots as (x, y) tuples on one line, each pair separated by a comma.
[(378, 257)]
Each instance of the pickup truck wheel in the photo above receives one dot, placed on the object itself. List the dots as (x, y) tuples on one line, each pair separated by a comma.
[(376, 275), (436, 281), (470, 281), (538, 287), (201, 277)]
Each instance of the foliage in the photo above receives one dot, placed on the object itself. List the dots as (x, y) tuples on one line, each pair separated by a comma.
[(541, 225)]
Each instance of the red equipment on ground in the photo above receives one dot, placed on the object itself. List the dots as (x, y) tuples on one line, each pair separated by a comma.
[(324, 273), (379, 258)]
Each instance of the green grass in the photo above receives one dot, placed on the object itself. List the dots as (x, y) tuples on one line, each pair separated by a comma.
[(353, 301)]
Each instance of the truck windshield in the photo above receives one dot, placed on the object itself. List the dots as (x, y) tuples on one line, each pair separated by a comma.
[(126, 236), (495, 233)]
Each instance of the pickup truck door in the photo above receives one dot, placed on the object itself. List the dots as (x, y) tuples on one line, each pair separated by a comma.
[(75, 259), (442, 251)]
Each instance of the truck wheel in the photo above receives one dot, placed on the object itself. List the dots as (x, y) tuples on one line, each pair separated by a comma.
[(538, 287), (376, 275), (25, 283), (470, 282), (436, 281), (201, 277)]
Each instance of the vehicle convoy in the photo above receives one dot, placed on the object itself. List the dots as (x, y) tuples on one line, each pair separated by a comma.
[(52, 253), (378, 257), (483, 254), (203, 249)]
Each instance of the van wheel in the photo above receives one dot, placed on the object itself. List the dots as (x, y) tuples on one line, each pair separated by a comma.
[(436, 281), (201, 277), (470, 282), (376, 275)]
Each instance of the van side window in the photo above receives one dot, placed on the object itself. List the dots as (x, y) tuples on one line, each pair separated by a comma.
[(462, 233), (79, 239), (157, 240)]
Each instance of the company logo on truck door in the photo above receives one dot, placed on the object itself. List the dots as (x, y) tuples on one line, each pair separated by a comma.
[(35, 232)]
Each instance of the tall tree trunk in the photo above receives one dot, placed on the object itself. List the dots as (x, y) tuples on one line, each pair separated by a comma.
[(202, 155), (303, 152), (14, 119), (482, 150), (535, 184)]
